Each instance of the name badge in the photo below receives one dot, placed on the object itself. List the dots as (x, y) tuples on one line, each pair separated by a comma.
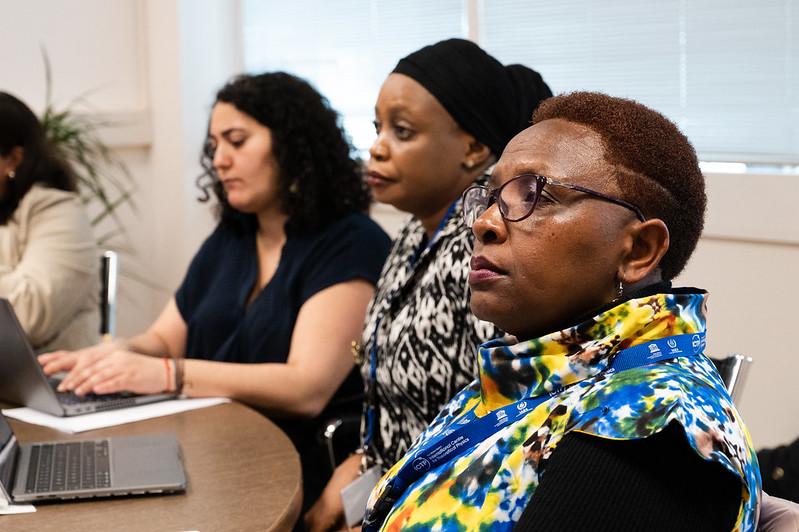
[(355, 495)]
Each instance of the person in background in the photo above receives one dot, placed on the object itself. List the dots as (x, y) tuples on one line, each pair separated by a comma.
[(273, 299), (442, 118), (598, 410), (49, 264)]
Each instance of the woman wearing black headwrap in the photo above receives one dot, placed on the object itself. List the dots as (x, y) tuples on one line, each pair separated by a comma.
[(443, 116)]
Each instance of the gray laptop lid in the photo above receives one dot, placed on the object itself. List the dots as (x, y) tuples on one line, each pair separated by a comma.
[(22, 380), (140, 464)]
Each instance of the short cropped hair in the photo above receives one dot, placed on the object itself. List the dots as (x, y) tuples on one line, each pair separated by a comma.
[(319, 179), (657, 168)]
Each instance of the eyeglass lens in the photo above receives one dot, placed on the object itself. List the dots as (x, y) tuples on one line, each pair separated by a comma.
[(517, 198)]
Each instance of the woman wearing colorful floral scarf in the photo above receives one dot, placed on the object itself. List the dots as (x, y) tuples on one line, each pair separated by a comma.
[(599, 409)]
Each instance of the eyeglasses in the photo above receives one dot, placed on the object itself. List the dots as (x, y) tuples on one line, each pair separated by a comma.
[(518, 197)]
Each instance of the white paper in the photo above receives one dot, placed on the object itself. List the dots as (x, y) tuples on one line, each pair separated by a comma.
[(355, 495), (110, 418), (8, 509)]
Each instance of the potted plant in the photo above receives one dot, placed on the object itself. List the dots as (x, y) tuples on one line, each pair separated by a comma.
[(104, 182)]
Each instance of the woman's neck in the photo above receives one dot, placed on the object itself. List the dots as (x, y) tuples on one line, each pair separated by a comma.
[(650, 286), (432, 222), (272, 226)]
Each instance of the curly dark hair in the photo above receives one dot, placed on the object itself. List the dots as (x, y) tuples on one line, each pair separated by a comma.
[(19, 127), (657, 168), (318, 179)]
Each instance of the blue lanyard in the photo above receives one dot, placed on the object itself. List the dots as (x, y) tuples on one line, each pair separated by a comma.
[(371, 384), (436, 233), (473, 430)]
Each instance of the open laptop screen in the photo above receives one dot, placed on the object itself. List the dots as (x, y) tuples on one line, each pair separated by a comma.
[(5, 432), (8, 444)]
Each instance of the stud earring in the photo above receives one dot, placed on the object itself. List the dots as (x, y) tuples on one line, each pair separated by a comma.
[(12, 174)]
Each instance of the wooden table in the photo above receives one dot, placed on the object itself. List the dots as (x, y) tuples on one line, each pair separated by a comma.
[(244, 474)]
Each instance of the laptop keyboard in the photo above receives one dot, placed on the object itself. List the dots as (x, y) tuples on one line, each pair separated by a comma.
[(102, 402), (68, 466)]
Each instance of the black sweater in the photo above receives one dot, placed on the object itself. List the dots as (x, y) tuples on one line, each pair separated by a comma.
[(653, 484)]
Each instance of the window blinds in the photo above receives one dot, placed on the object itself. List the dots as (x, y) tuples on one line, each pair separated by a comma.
[(727, 71), (346, 49)]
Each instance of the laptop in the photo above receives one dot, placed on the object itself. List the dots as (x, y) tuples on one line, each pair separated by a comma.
[(127, 465), (23, 382)]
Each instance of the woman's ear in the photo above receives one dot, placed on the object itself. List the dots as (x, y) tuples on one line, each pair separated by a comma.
[(14, 158), (477, 155), (649, 242)]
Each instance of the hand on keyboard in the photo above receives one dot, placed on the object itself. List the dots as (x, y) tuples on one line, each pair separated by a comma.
[(120, 371)]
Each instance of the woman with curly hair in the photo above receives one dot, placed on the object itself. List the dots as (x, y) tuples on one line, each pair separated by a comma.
[(48, 258), (273, 299)]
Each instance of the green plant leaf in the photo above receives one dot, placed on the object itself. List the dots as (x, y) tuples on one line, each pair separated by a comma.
[(105, 184)]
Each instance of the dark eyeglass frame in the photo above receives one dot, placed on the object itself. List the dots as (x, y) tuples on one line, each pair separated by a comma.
[(494, 196)]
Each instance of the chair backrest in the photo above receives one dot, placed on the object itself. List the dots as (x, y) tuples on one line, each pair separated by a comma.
[(108, 293), (733, 370), (341, 436), (777, 515)]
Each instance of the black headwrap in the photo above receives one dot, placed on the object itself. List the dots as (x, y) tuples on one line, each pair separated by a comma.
[(488, 100)]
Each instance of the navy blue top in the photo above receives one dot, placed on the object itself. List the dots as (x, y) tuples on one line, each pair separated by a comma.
[(221, 327), (213, 296)]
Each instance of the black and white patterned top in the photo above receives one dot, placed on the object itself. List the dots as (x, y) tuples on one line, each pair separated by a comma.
[(426, 336)]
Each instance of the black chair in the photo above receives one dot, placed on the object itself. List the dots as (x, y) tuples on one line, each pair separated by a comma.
[(733, 370), (108, 293), (341, 435)]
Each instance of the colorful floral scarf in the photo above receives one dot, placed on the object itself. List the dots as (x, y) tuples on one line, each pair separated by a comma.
[(488, 487)]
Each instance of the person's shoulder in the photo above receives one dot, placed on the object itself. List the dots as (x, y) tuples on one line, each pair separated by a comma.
[(682, 388), (457, 238), (225, 234), (698, 381), (359, 223), (224, 240), (222, 252), (55, 209), (40, 197), (357, 228)]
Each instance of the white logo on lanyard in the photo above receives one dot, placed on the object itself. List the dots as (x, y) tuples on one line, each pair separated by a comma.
[(654, 351), (421, 464), (696, 343)]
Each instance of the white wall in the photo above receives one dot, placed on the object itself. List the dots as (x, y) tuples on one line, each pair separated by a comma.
[(152, 67), (747, 259), (155, 64)]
